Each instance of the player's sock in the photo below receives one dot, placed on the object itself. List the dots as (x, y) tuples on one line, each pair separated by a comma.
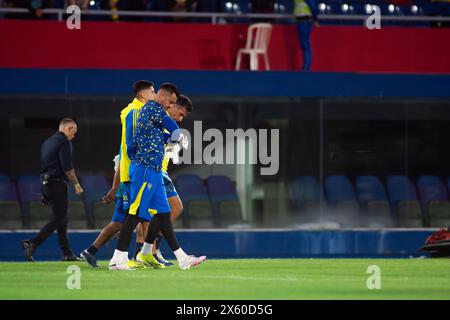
[(119, 257), (167, 230), (92, 250), (147, 248), (180, 254), (138, 248), (126, 232)]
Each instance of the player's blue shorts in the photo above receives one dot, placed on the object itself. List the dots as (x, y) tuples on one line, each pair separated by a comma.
[(169, 186), (148, 195), (122, 202)]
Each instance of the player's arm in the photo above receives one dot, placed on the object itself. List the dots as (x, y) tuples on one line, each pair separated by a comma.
[(173, 135), (111, 195), (130, 128)]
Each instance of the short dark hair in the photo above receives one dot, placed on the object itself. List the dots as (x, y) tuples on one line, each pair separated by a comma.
[(65, 121), (171, 88), (185, 102), (141, 85)]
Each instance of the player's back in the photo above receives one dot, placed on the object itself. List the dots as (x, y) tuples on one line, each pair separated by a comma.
[(148, 143)]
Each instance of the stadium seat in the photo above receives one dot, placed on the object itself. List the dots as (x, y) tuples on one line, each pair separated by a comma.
[(405, 202), (36, 214), (374, 202), (342, 200), (95, 187), (306, 195), (78, 217), (10, 212), (198, 211), (434, 200), (225, 200)]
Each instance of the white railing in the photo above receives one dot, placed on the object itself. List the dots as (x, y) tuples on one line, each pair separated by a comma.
[(215, 16)]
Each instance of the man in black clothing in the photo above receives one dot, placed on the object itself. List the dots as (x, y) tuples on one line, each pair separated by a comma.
[(57, 168)]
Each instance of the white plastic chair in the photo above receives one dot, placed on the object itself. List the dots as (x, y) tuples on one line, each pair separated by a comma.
[(258, 38)]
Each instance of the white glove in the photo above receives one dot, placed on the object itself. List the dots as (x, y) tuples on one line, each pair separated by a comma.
[(184, 141), (174, 153)]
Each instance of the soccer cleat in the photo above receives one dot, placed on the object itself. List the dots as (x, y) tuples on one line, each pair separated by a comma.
[(149, 260), (28, 249), (191, 261), (136, 265), (159, 257), (70, 257), (120, 266), (89, 258)]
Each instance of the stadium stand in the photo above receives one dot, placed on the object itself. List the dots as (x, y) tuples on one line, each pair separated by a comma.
[(434, 201), (78, 218), (10, 212), (36, 214), (225, 200), (96, 186), (198, 210), (306, 195), (342, 202), (374, 202), (405, 202)]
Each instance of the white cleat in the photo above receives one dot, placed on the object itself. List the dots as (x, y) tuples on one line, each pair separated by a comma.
[(119, 266), (191, 261)]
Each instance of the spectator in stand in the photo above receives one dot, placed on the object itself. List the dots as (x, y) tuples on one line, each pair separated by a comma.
[(305, 14), (83, 4), (36, 8), (263, 6)]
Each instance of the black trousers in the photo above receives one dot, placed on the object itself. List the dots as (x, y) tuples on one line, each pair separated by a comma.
[(56, 193)]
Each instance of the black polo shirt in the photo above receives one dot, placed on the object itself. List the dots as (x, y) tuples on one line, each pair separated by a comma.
[(56, 155)]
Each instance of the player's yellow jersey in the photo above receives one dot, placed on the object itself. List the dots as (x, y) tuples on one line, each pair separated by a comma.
[(125, 161)]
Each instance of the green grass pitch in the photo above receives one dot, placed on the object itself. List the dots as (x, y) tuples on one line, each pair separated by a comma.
[(234, 279)]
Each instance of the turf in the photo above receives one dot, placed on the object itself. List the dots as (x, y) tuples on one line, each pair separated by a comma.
[(234, 279)]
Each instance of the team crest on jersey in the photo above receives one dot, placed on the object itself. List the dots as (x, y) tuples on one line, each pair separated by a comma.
[(149, 186)]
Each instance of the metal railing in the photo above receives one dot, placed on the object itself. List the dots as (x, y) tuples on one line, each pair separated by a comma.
[(216, 16)]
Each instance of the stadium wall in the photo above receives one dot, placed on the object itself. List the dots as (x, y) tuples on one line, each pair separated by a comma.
[(224, 83), (194, 46), (281, 243)]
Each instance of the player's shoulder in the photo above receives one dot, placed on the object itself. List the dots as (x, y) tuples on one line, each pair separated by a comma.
[(153, 107)]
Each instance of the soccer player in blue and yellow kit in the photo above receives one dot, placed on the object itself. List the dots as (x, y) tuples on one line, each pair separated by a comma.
[(143, 91), (148, 197)]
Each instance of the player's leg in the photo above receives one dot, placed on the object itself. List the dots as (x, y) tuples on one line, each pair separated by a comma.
[(141, 234), (109, 231), (161, 207), (176, 208), (140, 192)]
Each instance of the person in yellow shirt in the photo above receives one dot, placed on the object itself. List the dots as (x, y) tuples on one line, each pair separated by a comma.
[(120, 191)]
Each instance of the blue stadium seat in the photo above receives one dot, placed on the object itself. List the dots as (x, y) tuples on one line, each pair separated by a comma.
[(305, 190), (339, 188), (374, 202), (434, 200), (342, 200), (95, 187), (198, 211), (36, 214), (10, 212), (224, 197), (404, 201)]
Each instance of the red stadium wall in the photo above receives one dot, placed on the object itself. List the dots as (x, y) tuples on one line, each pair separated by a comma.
[(49, 44)]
